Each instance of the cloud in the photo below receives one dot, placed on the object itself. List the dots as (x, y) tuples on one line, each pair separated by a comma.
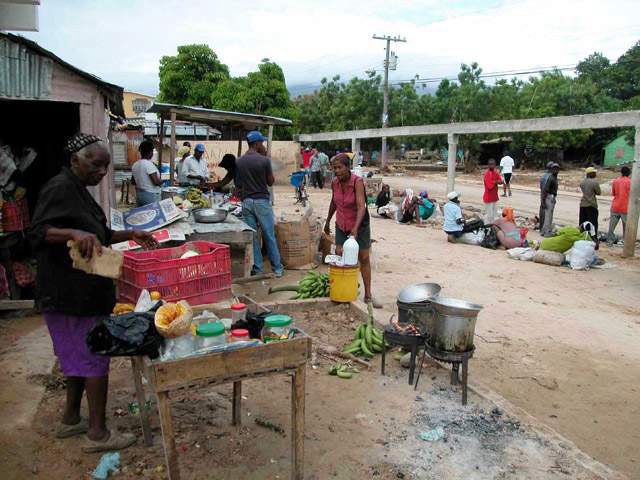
[(123, 41)]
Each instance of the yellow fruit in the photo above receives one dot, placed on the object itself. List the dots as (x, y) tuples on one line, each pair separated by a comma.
[(155, 296)]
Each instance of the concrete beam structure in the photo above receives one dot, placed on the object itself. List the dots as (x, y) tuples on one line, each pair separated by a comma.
[(573, 122), (452, 155)]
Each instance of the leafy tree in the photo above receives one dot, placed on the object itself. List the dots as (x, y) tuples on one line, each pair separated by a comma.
[(625, 74), (191, 76)]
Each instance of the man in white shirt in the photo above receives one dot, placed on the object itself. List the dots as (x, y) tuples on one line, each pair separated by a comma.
[(146, 176), (453, 219), (506, 168), (196, 169)]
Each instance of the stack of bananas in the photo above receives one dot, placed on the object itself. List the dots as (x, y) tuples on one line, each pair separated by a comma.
[(194, 195), (343, 370), (368, 340), (313, 285)]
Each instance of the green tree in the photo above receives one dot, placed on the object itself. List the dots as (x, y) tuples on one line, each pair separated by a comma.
[(625, 74), (191, 76)]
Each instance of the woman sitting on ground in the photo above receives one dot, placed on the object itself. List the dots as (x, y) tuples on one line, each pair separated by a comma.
[(384, 197), (410, 208), (507, 231)]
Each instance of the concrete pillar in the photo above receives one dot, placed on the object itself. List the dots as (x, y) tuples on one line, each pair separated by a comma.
[(631, 230), (354, 143), (452, 138)]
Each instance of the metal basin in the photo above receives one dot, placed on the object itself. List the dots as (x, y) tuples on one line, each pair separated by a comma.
[(453, 324), (210, 215), (419, 293)]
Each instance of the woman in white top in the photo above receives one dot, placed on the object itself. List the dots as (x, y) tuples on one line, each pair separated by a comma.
[(183, 154), (146, 176)]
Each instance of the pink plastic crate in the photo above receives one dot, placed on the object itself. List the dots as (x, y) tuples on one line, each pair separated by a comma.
[(205, 278)]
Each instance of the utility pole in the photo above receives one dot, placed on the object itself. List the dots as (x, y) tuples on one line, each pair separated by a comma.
[(631, 230), (385, 101)]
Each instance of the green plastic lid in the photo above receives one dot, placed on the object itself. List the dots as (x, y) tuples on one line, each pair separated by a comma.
[(277, 320), (211, 329)]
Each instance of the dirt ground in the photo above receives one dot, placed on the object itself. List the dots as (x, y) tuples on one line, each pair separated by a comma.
[(557, 344)]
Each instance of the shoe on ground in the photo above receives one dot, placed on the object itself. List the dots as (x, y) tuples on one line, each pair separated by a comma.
[(504, 195), (115, 441), (66, 431), (279, 274)]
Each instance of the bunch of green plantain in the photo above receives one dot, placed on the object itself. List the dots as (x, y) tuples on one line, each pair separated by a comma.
[(343, 370), (313, 285), (368, 340), (194, 195)]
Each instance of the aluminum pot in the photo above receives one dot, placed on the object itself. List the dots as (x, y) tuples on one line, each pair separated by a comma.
[(418, 314), (453, 324), (210, 215), (419, 293)]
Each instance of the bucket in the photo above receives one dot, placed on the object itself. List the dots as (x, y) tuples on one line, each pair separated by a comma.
[(343, 283), (453, 325)]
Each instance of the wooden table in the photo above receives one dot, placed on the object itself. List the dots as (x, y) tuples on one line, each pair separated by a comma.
[(288, 357)]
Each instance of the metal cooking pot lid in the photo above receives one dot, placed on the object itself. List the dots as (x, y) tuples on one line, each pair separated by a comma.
[(420, 292), (455, 304)]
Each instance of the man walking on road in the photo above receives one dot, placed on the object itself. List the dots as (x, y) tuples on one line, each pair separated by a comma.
[(506, 168), (317, 179), (254, 177), (549, 193), (589, 203), (620, 189), (490, 198)]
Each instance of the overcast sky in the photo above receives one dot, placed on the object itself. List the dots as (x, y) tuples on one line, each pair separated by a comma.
[(122, 41)]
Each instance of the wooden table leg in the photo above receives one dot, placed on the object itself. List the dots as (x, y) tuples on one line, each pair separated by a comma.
[(297, 422), (248, 259), (168, 440), (136, 364), (465, 372), (237, 404)]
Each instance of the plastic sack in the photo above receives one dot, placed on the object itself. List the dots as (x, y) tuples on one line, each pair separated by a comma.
[(580, 256), (548, 257), (563, 240), (522, 253), (125, 335), (470, 238), (174, 319)]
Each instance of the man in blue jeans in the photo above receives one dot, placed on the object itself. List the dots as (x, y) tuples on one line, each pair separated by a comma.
[(253, 179)]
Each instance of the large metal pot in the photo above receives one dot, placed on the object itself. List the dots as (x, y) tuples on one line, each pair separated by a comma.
[(210, 215), (414, 304), (453, 324)]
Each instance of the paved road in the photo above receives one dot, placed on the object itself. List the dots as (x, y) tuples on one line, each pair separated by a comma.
[(525, 200)]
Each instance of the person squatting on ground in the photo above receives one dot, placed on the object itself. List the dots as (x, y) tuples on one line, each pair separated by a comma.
[(454, 224), (71, 300), (349, 204), (492, 179)]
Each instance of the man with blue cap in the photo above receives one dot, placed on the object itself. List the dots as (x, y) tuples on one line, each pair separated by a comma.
[(195, 169), (253, 178)]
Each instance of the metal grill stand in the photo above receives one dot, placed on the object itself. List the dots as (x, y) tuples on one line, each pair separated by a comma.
[(455, 359), (411, 341)]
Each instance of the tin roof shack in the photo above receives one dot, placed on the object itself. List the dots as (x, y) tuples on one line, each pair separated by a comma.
[(45, 100)]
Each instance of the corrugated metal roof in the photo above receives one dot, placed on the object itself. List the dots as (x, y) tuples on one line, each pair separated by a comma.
[(109, 90), (23, 73), (215, 117)]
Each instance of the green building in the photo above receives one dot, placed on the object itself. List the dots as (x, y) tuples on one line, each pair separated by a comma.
[(618, 152)]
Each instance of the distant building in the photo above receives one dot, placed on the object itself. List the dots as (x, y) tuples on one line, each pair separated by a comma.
[(136, 104), (618, 152)]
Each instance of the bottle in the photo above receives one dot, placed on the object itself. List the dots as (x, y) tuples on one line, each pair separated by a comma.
[(350, 252)]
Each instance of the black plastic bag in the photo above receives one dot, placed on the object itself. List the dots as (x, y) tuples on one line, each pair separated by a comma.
[(130, 334), (490, 239), (254, 323), (473, 225)]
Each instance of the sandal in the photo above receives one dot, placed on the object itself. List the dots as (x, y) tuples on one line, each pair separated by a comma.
[(115, 441), (66, 431)]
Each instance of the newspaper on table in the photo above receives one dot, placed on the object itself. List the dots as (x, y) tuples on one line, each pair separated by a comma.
[(161, 236), (148, 218)]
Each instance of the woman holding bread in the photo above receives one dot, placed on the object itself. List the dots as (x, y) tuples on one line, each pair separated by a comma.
[(72, 300)]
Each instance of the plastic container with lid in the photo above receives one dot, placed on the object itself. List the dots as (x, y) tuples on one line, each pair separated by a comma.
[(276, 328), (239, 335), (210, 335), (238, 312)]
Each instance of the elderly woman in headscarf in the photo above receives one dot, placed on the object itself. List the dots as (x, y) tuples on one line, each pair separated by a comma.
[(72, 300), (410, 208)]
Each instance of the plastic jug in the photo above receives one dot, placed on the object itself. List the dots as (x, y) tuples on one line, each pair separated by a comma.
[(350, 252)]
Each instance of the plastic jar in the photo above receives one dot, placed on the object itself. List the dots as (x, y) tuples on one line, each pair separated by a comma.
[(210, 335), (238, 312), (276, 328), (239, 335)]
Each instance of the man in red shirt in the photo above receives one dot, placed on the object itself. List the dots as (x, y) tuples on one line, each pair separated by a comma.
[(620, 189), (492, 179)]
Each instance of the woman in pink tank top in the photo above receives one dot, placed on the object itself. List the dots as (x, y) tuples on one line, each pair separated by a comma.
[(348, 202)]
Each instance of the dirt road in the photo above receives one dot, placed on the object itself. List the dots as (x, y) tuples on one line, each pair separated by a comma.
[(560, 344)]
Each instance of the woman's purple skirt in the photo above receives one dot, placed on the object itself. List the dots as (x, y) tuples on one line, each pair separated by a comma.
[(68, 334)]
